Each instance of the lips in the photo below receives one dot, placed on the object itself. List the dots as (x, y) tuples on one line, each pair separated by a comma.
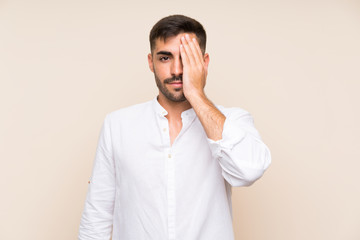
[(176, 83)]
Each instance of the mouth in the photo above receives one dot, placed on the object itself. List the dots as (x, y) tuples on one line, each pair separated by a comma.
[(176, 83)]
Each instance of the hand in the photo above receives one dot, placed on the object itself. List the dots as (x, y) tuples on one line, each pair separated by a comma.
[(194, 67)]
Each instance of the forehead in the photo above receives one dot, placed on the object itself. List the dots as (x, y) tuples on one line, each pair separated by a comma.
[(171, 44)]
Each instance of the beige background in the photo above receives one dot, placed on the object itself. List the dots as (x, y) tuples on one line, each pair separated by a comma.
[(293, 64)]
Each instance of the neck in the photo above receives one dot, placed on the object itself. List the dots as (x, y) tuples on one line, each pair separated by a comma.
[(174, 109)]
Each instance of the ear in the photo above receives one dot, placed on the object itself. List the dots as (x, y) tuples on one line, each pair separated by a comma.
[(206, 61), (150, 61)]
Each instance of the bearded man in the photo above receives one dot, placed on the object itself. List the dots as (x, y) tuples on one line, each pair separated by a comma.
[(164, 169)]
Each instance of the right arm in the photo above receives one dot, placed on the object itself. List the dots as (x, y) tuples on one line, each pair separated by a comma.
[(97, 217)]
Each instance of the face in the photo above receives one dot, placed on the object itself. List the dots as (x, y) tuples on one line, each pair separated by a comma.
[(165, 63)]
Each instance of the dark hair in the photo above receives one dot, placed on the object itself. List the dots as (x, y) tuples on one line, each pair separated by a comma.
[(175, 24)]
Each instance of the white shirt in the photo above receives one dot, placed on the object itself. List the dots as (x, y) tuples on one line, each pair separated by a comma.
[(143, 188)]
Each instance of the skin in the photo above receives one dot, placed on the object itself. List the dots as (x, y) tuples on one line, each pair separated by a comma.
[(180, 57)]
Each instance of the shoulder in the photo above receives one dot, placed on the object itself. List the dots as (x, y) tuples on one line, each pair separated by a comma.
[(129, 113), (236, 118), (233, 112)]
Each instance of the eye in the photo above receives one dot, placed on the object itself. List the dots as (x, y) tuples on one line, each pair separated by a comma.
[(163, 59)]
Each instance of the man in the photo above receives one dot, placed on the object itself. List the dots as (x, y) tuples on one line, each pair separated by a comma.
[(164, 168)]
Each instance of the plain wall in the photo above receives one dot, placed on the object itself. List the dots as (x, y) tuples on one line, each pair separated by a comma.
[(294, 65)]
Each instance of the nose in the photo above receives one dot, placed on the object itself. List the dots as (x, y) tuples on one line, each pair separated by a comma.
[(177, 67)]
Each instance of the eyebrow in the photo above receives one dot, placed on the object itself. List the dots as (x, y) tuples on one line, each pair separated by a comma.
[(164, 53)]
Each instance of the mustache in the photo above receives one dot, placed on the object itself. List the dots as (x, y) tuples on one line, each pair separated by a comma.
[(173, 79)]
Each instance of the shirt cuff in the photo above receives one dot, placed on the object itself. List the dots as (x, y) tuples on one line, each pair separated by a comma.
[(232, 134)]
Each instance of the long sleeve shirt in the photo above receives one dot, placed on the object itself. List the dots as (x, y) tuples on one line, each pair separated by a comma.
[(144, 188)]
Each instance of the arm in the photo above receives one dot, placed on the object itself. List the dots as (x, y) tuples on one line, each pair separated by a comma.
[(232, 137), (96, 220), (241, 153), (210, 117), (194, 79)]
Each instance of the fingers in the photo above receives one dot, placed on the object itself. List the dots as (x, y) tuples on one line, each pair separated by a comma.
[(186, 53), (192, 49), (184, 57), (198, 49)]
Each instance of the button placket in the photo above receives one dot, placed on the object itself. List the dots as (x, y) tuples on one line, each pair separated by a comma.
[(170, 177)]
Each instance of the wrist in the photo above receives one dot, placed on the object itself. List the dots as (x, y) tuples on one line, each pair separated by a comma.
[(195, 96)]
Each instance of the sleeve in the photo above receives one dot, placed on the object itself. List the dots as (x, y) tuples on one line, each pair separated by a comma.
[(97, 216), (241, 153)]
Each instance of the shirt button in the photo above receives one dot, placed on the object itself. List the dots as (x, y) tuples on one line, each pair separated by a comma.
[(164, 129), (169, 155)]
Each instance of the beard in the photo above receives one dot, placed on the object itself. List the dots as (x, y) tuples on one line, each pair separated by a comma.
[(174, 97)]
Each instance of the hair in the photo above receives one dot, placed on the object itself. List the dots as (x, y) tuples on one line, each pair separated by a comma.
[(175, 24)]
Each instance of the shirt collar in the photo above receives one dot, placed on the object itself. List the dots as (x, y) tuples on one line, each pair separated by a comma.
[(190, 113)]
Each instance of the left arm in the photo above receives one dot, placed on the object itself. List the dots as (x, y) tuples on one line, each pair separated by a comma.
[(210, 117), (232, 137), (194, 78)]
